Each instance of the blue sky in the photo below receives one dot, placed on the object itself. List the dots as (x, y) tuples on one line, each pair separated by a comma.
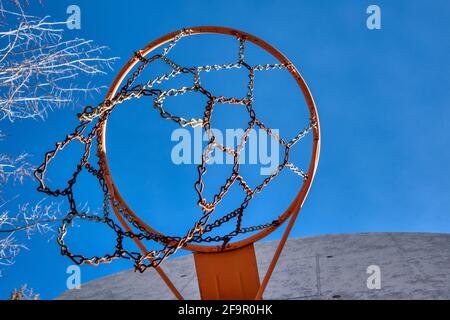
[(382, 97)]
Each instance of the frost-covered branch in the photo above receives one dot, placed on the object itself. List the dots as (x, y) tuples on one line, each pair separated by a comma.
[(14, 169), (9, 250), (40, 70), (38, 66), (28, 220)]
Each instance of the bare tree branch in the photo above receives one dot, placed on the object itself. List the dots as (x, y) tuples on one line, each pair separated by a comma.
[(14, 168), (39, 72), (29, 220), (37, 67), (24, 293)]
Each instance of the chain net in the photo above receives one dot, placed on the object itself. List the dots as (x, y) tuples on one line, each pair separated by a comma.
[(96, 117)]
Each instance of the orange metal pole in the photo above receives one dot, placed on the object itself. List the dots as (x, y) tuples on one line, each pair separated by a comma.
[(227, 275), (276, 256)]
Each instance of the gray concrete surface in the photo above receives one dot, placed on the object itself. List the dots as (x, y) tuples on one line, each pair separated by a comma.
[(412, 266)]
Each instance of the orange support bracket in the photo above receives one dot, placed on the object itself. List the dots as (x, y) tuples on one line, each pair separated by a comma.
[(228, 275)]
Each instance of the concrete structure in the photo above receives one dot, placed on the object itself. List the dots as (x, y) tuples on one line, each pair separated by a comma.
[(412, 266)]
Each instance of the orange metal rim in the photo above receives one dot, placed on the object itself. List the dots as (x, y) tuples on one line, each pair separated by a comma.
[(298, 201)]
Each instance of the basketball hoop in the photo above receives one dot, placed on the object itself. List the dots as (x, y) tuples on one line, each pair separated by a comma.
[(225, 269)]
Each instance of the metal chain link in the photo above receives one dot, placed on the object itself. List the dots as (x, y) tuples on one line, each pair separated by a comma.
[(170, 244)]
